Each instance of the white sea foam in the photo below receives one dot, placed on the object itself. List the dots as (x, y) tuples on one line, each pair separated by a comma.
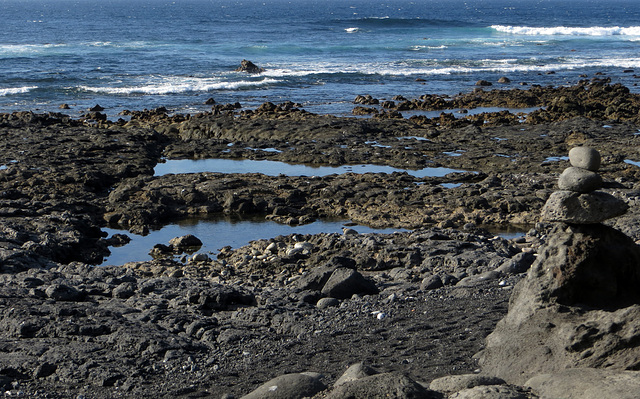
[(352, 30), (26, 48), (569, 31), (179, 87), (16, 90)]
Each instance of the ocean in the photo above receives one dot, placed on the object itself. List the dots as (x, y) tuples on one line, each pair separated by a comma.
[(137, 54)]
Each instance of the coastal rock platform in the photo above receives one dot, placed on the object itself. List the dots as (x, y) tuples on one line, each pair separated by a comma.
[(222, 326)]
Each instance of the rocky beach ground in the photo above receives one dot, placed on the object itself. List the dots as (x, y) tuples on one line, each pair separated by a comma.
[(417, 304)]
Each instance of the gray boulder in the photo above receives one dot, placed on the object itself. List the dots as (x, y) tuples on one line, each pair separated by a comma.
[(492, 392), (585, 157), (577, 307), (344, 283), (382, 386), (579, 180), (289, 386), (587, 383), (455, 383), (571, 207), (185, 242), (355, 372)]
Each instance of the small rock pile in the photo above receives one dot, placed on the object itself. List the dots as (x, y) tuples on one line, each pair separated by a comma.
[(577, 201)]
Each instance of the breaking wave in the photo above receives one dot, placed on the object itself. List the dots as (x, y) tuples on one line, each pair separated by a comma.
[(16, 90), (177, 88), (569, 31)]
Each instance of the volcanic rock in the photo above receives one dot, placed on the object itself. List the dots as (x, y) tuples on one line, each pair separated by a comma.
[(386, 385), (587, 383), (186, 241), (249, 67), (289, 386), (577, 307), (571, 207), (345, 282), (455, 383)]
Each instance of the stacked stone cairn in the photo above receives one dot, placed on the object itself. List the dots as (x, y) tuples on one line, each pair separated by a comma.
[(578, 200)]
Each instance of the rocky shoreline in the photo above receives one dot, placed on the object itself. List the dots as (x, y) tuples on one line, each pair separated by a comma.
[(418, 303)]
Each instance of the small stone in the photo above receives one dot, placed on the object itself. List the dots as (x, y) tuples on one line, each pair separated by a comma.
[(579, 180), (431, 283), (327, 302), (585, 157), (200, 257), (483, 83), (186, 241), (570, 207), (289, 386), (124, 290), (345, 282), (504, 79), (61, 292)]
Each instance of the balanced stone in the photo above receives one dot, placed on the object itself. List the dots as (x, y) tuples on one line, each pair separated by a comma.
[(571, 207), (585, 157), (579, 180)]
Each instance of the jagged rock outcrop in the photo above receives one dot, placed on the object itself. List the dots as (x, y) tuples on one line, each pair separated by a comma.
[(249, 67), (577, 307)]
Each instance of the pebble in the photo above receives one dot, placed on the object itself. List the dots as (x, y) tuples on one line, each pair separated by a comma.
[(327, 302), (585, 158)]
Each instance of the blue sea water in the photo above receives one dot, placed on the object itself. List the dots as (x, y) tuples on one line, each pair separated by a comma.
[(136, 54)]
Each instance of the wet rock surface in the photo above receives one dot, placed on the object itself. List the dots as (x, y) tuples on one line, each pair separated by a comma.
[(413, 306)]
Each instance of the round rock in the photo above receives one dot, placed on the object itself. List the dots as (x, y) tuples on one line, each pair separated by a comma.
[(585, 157), (579, 180)]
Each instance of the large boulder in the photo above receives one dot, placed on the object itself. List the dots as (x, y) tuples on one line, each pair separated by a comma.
[(386, 385), (587, 383), (577, 307)]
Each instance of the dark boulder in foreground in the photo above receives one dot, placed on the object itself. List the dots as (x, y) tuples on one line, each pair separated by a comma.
[(578, 307)]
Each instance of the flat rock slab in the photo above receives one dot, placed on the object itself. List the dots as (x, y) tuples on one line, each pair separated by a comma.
[(571, 207), (587, 383)]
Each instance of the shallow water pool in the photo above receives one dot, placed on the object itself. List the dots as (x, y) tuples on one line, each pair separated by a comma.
[(218, 233), (275, 168)]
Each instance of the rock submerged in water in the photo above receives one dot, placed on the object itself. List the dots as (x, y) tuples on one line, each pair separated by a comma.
[(249, 67)]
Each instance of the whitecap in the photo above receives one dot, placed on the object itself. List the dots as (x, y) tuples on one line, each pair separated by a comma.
[(16, 90), (352, 30), (178, 87), (569, 31)]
